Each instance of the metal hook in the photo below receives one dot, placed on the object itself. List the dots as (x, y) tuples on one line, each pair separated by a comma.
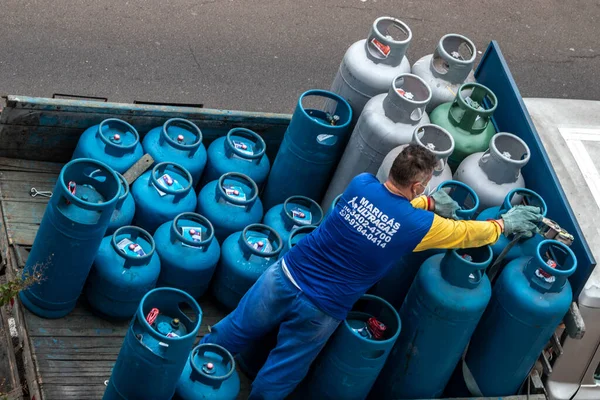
[(33, 192)]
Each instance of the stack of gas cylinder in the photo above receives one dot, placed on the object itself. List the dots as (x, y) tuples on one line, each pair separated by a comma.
[(445, 299), (139, 248), (215, 219)]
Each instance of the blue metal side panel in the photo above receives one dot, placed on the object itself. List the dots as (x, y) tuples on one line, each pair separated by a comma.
[(512, 116)]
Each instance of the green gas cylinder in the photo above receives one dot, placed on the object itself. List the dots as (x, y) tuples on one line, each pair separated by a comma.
[(468, 119)]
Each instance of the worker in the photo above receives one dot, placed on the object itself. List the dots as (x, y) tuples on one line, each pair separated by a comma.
[(310, 290)]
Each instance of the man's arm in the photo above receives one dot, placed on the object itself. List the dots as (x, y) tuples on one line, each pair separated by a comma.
[(450, 234), (423, 203)]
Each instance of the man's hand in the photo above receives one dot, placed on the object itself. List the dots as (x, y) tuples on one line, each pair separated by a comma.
[(444, 205), (521, 219)]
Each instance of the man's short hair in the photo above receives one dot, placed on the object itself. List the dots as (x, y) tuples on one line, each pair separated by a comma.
[(412, 164)]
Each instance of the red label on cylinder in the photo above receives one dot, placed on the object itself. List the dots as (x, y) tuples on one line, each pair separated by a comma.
[(382, 48)]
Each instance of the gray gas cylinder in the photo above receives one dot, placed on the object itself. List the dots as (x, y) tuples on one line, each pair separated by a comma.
[(447, 68), (370, 65), (496, 171), (388, 120), (433, 138)]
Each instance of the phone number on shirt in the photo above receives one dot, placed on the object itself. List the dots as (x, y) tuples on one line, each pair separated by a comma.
[(362, 226)]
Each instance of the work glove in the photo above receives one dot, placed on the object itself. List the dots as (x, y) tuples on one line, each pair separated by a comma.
[(445, 206), (521, 219)]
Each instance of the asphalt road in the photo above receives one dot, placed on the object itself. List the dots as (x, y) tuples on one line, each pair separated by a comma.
[(260, 55)]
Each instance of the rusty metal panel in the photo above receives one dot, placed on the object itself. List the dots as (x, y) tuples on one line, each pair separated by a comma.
[(45, 129)]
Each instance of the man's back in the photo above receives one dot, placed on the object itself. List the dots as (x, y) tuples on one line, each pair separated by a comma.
[(369, 229)]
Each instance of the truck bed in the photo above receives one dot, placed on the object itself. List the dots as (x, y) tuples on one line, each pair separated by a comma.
[(70, 358)]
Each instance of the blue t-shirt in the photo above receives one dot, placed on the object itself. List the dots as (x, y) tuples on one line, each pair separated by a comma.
[(369, 229)]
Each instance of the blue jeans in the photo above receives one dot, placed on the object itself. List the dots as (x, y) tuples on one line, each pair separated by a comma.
[(303, 332)]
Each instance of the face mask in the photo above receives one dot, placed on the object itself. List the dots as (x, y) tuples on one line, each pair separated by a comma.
[(426, 190)]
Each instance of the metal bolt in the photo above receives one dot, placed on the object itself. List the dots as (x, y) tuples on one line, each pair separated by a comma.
[(456, 54), (506, 154), (332, 119)]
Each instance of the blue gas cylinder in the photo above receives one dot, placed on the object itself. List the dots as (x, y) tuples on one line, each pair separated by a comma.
[(295, 212), (230, 204), (161, 194), (439, 315), (125, 210), (525, 246), (243, 151), (69, 236), (209, 375), (244, 257), (311, 148), (355, 354), (529, 300), (188, 252), (113, 142), (125, 269), (156, 347), (395, 285), (180, 141)]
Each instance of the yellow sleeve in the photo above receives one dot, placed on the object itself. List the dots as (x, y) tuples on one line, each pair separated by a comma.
[(420, 202), (450, 234)]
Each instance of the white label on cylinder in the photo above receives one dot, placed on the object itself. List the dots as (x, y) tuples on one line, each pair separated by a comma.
[(167, 182), (243, 148), (130, 248), (194, 233), (323, 137)]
